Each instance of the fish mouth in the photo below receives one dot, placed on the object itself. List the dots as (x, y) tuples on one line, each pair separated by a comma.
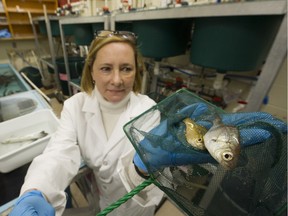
[(229, 160), (227, 156)]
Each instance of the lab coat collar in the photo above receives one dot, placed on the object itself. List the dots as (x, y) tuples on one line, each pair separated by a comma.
[(93, 117), (118, 132), (91, 103), (91, 106)]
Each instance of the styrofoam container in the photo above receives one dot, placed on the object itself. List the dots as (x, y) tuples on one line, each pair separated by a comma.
[(14, 155)]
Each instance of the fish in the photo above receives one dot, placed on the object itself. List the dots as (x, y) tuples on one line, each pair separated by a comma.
[(222, 142), (194, 134), (30, 137)]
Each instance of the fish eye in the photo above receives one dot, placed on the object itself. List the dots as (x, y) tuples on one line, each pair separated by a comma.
[(227, 156)]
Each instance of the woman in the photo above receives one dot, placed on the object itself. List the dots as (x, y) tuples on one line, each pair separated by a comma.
[(91, 128)]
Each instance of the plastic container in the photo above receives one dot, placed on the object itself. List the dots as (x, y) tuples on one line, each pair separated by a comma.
[(239, 43), (11, 81), (162, 38), (76, 65), (97, 27), (33, 74), (15, 155), (21, 104), (83, 33), (123, 26), (55, 29)]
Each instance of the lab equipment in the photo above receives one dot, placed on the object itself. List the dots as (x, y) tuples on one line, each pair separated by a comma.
[(193, 179), (31, 202)]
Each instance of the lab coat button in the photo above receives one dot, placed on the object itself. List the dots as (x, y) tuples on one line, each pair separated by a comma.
[(105, 163), (104, 187)]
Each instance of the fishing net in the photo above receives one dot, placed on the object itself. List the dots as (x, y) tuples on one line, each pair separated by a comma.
[(193, 179)]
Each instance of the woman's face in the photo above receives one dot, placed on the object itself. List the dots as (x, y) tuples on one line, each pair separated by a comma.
[(114, 71)]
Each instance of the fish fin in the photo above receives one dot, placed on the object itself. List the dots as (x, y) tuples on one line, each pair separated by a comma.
[(217, 119)]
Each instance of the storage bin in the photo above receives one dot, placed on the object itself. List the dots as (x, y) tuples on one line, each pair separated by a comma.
[(33, 74), (239, 43), (14, 155), (162, 38), (55, 29), (76, 65), (22, 103), (83, 33), (11, 81)]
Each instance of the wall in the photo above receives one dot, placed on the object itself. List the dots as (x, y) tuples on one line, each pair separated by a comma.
[(20, 46), (6, 45), (277, 97)]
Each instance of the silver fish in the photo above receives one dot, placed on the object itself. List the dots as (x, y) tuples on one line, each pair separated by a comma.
[(194, 134), (222, 142), (29, 137)]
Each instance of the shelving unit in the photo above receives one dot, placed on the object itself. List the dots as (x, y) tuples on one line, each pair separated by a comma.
[(49, 26), (61, 27), (19, 13), (277, 52), (208, 10), (72, 22), (3, 20)]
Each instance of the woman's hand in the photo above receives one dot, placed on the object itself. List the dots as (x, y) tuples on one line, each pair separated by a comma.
[(32, 203)]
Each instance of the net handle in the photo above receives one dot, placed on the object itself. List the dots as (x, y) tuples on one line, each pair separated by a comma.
[(126, 197)]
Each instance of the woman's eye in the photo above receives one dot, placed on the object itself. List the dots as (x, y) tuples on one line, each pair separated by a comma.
[(105, 69), (126, 69)]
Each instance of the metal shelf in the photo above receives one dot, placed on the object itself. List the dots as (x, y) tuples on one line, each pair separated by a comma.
[(51, 62), (50, 17), (82, 20), (48, 61), (276, 7)]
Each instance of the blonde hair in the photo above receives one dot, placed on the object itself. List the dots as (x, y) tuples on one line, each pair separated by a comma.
[(87, 83)]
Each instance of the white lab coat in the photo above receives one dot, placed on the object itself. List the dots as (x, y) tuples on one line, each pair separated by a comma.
[(81, 134)]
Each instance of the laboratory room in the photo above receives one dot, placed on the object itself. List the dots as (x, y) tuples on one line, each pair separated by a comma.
[(143, 107)]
